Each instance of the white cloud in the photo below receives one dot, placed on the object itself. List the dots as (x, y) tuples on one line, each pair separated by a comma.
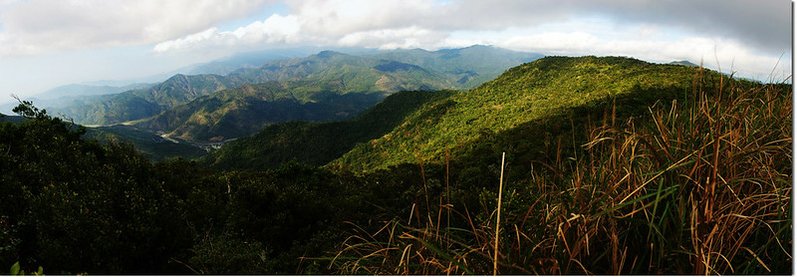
[(276, 29), (39, 26), (410, 37)]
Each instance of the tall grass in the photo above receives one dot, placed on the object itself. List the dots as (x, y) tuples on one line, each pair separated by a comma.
[(701, 185)]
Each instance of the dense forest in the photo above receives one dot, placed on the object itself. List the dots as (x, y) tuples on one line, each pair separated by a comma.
[(612, 165)]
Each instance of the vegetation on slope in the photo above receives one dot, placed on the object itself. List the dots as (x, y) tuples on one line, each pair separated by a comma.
[(698, 185), (245, 110), (525, 93), (75, 206), (151, 145), (326, 71), (318, 143), (145, 102)]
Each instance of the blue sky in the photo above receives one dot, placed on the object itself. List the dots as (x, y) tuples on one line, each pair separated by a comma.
[(49, 43)]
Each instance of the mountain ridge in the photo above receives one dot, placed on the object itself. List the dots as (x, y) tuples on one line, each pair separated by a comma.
[(334, 71)]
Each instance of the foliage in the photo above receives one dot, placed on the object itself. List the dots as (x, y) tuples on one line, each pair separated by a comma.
[(16, 269), (699, 185), (151, 145), (542, 88), (244, 111), (318, 143)]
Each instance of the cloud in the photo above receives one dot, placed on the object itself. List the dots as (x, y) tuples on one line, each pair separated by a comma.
[(764, 24), (274, 30), (40, 26)]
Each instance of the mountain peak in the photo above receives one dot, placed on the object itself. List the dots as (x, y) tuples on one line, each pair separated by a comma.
[(328, 54), (479, 46), (684, 62)]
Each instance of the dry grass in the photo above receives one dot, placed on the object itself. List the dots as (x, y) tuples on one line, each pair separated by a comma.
[(696, 188)]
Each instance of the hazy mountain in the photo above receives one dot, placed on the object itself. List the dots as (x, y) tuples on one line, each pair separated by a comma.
[(684, 62), (245, 110), (469, 66), (10, 118), (72, 90), (254, 59), (327, 71), (142, 103)]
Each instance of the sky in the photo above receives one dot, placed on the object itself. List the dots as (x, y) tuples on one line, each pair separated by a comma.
[(47, 43)]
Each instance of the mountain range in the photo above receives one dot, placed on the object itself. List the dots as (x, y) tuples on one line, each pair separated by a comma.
[(201, 107)]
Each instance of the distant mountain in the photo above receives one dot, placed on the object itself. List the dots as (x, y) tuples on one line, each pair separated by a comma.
[(327, 71), (72, 90), (10, 118), (685, 63), (323, 87), (255, 59), (72, 94), (245, 110), (344, 73), (142, 103), (469, 66)]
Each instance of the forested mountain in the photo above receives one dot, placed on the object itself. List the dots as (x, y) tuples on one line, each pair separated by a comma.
[(319, 143), (469, 66), (254, 59), (85, 90), (245, 110), (142, 103), (540, 89), (327, 71)]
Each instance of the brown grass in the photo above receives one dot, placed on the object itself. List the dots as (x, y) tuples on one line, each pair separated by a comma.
[(702, 187)]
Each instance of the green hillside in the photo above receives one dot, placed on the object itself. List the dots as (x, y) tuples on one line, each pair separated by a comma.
[(525, 93), (687, 182), (245, 110), (468, 67), (318, 143), (146, 102)]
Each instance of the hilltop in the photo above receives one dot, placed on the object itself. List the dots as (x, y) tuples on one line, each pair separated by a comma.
[(532, 91)]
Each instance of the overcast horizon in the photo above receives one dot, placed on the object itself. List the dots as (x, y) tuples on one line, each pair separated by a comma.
[(44, 44)]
